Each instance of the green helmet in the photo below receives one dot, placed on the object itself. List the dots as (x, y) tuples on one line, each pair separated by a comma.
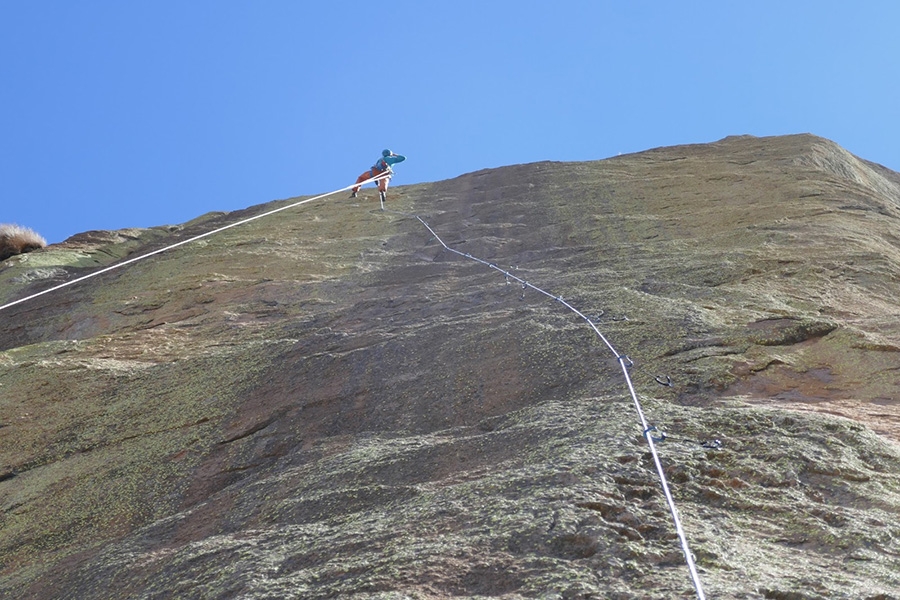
[(386, 152)]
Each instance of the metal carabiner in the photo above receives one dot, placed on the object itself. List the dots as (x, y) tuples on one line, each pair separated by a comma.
[(661, 438), (667, 382)]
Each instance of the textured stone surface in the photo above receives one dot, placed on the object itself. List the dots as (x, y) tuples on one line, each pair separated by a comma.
[(325, 403)]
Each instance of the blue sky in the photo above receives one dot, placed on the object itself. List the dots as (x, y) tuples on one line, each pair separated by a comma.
[(133, 114)]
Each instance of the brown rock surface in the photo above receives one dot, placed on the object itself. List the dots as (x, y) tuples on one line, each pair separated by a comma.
[(325, 403)]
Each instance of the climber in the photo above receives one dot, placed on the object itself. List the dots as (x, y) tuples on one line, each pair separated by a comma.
[(382, 165)]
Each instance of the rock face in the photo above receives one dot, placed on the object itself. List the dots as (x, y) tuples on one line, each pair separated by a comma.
[(328, 404)]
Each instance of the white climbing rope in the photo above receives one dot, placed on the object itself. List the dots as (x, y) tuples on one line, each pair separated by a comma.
[(625, 362), (188, 241)]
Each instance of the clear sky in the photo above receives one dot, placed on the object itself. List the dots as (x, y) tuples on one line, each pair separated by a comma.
[(132, 114)]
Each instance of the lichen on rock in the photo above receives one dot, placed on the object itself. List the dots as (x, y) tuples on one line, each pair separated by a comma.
[(338, 407)]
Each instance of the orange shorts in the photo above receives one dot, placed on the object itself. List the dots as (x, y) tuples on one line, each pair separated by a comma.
[(373, 172)]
